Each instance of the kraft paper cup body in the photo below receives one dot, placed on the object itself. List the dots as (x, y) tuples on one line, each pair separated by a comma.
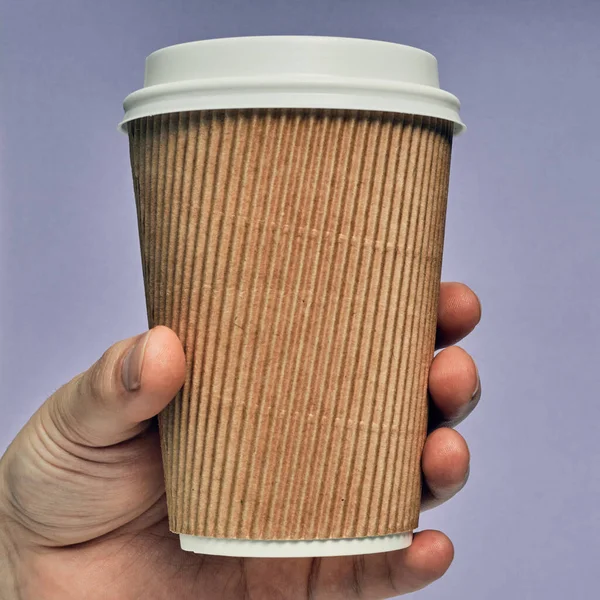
[(296, 252)]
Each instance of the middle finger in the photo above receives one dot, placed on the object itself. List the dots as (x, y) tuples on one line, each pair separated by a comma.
[(454, 387)]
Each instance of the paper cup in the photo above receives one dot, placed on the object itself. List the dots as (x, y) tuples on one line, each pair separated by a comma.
[(296, 251)]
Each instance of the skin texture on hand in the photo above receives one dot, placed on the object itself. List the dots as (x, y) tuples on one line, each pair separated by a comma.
[(82, 502), (8, 566)]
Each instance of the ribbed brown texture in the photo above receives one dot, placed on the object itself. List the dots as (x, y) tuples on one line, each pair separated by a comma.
[(297, 255)]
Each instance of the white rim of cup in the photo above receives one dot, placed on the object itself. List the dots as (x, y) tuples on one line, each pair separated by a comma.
[(271, 87), (295, 548)]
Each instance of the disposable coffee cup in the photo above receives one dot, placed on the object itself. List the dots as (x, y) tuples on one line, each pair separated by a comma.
[(291, 198)]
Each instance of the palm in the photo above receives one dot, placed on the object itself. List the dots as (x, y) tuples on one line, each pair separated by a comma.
[(149, 564), (142, 558)]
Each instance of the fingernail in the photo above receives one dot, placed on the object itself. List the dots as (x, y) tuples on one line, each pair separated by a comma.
[(133, 363), (477, 391)]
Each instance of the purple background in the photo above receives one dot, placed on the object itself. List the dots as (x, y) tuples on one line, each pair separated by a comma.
[(523, 231)]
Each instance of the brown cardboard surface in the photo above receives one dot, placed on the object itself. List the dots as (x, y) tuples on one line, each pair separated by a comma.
[(297, 254)]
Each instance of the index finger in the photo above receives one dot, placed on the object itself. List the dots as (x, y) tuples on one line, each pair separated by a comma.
[(459, 313)]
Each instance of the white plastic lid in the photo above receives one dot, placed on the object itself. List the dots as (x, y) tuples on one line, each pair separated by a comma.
[(292, 72)]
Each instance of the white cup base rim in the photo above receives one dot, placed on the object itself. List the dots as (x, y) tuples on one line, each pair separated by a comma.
[(294, 548)]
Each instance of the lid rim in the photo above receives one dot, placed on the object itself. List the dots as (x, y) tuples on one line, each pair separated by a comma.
[(286, 101), (285, 83)]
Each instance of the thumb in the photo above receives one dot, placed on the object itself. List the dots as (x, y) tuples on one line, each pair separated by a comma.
[(112, 401)]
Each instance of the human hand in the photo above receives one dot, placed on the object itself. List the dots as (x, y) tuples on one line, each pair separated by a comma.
[(83, 514)]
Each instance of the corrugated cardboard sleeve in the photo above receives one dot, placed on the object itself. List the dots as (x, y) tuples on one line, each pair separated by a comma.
[(297, 254)]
